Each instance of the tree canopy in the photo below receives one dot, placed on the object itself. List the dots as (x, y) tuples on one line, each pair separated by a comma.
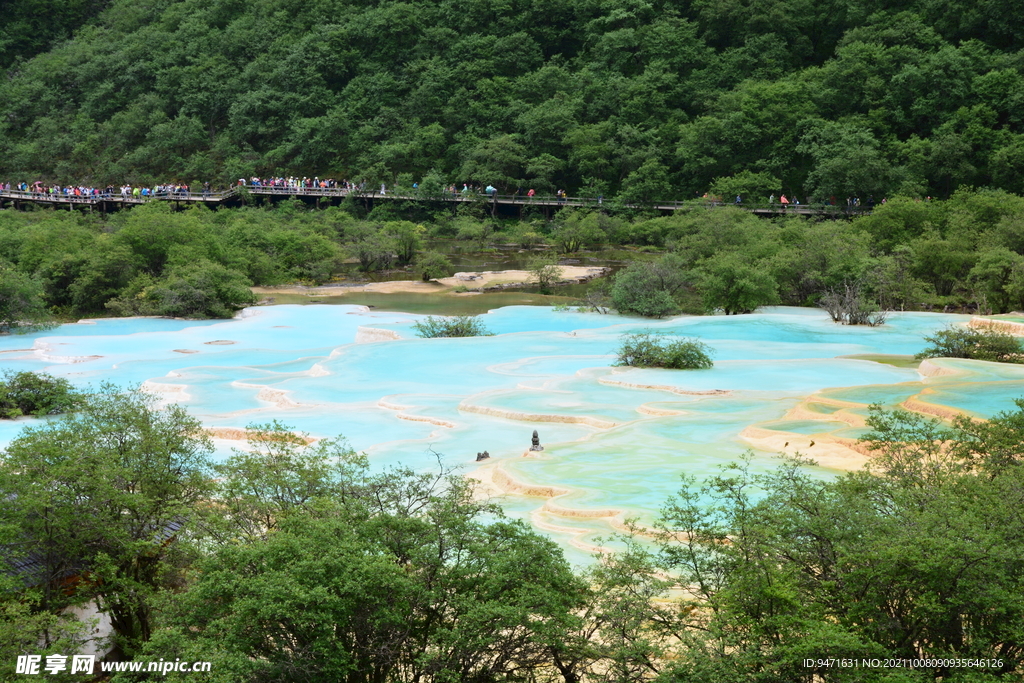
[(100, 493)]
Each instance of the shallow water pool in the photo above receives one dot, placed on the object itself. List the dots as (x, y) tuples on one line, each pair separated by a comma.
[(616, 439)]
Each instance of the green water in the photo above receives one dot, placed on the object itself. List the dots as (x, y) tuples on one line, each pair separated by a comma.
[(437, 304)]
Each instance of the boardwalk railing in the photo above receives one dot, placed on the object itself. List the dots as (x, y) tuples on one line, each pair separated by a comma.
[(92, 199), (519, 200)]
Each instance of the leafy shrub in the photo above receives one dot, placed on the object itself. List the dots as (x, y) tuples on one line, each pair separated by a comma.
[(966, 342), (21, 302), (197, 290), (731, 283), (433, 265), (646, 350), (458, 326), (649, 288), (28, 393), (527, 235), (545, 271)]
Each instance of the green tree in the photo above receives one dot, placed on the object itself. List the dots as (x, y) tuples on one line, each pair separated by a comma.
[(648, 288), (21, 302), (1008, 166), (907, 560), (404, 578), (891, 280), (433, 265), (998, 279), (730, 284), (109, 494), (500, 161), (198, 290), (25, 627), (812, 257), (433, 185), (753, 188), (106, 272), (847, 163), (546, 272), (29, 393), (527, 235), (646, 185), (407, 238), (279, 475), (374, 249), (899, 221), (575, 230)]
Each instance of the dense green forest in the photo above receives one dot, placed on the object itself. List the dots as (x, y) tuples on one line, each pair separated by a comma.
[(965, 253), (637, 99), (289, 563)]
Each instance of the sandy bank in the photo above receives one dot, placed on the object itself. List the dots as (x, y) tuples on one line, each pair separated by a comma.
[(492, 480), (366, 335), (536, 417), (917, 405), (1009, 326), (824, 450), (663, 387), (471, 280), (574, 513), (645, 409), (928, 368), (239, 434), (802, 412), (402, 415)]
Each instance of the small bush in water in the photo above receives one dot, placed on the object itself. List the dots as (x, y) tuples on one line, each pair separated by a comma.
[(646, 350), (458, 326)]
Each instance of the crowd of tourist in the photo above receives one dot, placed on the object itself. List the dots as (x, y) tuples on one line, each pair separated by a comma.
[(304, 183), (294, 184), (41, 190)]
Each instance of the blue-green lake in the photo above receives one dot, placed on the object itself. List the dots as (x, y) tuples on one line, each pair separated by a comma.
[(616, 439)]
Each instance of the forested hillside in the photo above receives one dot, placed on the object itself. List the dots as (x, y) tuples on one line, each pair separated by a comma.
[(642, 99)]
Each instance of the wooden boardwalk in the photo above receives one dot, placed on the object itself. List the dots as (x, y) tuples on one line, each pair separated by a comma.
[(236, 196)]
